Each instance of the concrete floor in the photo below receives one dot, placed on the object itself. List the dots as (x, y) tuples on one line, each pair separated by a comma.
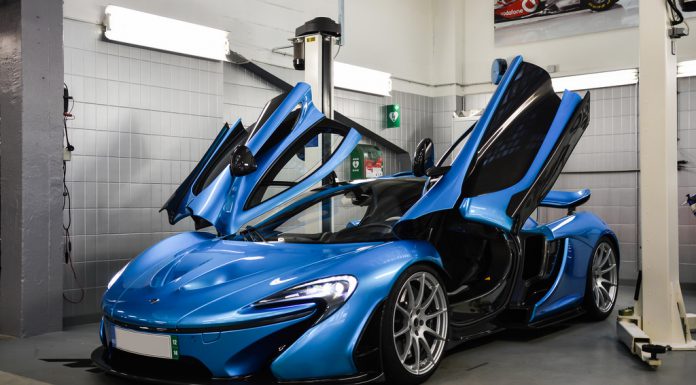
[(577, 352)]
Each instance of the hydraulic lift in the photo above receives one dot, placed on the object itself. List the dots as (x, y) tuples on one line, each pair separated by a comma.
[(313, 47), (658, 322)]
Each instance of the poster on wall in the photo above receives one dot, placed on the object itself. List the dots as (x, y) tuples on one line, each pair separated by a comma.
[(527, 21)]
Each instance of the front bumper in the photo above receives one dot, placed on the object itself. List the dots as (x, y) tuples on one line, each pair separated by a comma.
[(239, 356), (144, 370)]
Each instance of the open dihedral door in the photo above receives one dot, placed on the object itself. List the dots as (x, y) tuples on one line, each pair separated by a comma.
[(513, 156), (287, 143)]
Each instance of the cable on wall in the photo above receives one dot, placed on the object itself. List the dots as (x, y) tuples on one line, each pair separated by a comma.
[(67, 202), (676, 18)]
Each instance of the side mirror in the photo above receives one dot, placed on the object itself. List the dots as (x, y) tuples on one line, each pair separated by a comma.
[(424, 157), (435, 172), (242, 161), (498, 69)]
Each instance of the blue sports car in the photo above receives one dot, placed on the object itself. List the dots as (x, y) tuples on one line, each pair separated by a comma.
[(307, 279)]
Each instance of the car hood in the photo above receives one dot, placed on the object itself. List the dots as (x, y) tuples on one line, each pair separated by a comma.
[(214, 282)]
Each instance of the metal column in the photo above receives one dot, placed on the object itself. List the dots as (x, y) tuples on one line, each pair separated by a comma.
[(659, 316), (318, 38), (31, 127)]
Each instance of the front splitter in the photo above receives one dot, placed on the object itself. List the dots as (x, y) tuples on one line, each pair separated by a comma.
[(99, 358)]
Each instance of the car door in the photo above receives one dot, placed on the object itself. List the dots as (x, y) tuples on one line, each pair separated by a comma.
[(294, 146), (512, 158)]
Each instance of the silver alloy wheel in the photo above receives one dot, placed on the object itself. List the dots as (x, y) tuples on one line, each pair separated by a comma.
[(419, 324), (604, 277)]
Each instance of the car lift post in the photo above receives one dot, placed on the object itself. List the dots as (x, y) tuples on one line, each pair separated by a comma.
[(313, 45), (658, 322)]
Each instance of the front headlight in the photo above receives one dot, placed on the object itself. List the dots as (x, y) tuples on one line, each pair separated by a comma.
[(332, 292), (116, 276)]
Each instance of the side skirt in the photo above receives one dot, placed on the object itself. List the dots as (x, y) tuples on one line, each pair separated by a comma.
[(558, 318)]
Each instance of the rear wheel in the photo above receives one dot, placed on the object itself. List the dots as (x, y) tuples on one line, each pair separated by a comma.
[(602, 281), (598, 5), (414, 328)]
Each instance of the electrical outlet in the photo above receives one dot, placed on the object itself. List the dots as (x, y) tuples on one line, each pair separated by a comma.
[(67, 155)]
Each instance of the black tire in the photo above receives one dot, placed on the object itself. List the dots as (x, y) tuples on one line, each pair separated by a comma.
[(596, 309), (395, 372), (599, 5)]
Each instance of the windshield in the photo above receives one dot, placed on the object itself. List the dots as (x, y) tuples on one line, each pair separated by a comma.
[(347, 213)]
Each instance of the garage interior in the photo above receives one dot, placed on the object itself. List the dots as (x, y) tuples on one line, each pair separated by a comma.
[(141, 118)]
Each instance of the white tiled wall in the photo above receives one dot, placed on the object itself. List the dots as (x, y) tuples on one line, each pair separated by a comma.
[(611, 141), (143, 119), (369, 111), (443, 109), (687, 177), (245, 94)]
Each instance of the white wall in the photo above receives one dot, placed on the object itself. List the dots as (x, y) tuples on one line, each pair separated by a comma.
[(395, 36), (388, 35), (593, 52)]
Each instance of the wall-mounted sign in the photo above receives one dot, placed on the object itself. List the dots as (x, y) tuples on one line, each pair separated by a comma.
[(366, 162), (526, 21), (393, 116)]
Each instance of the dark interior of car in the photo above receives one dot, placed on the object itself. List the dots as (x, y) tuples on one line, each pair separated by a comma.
[(385, 202)]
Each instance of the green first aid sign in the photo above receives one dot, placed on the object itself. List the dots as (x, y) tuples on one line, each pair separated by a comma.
[(393, 116)]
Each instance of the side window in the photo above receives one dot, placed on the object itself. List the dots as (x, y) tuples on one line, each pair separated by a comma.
[(220, 160), (461, 131), (515, 134), (297, 163)]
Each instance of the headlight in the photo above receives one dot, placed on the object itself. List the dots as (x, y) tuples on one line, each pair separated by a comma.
[(116, 276), (332, 292)]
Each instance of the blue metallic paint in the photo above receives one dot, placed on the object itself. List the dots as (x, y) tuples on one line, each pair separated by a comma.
[(222, 203), (490, 209), (582, 231), (565, 199), (204, 282), (213, 284), (444, 194), (223, 353), (177, 206)]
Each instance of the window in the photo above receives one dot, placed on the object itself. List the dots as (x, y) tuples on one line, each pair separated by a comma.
[(297, 163), (364, 212), (220, 160), (516, 132)]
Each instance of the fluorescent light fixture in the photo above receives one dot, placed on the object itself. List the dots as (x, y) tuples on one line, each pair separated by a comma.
[(362, 79), (686, 68), (152, 31), (596, 80)]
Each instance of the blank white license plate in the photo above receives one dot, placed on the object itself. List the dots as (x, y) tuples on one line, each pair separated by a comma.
[(147, 344)]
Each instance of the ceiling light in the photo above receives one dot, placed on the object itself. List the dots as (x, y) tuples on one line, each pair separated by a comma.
[(152, 31), (686, 68), (596, 80), (362, 79)]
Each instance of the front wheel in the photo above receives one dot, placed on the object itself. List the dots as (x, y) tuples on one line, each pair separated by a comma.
[(602, 281), (598, 5), (414, 328)]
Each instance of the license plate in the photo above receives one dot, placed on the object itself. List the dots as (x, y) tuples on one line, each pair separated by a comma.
[(146, 344)]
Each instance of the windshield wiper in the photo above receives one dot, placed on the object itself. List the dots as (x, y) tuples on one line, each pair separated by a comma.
[(253, 233)]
